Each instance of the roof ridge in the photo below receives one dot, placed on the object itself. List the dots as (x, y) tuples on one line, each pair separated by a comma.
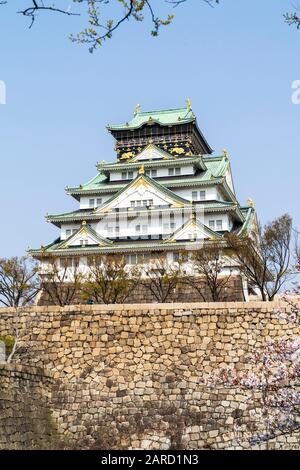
[(162, 111)]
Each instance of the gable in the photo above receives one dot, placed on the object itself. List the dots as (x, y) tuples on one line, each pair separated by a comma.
[(151, 152), (192, 230), (229, 180), (85, 236), (142, 188)]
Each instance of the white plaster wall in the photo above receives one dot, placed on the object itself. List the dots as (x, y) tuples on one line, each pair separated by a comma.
[(66, 227), (106, 227), (212, 193), (226, 220), (140, 194), (85, 204), (117, 176), (127, 228), (161, 172)]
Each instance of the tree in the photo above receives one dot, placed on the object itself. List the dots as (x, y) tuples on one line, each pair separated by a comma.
[(108, 280), (297, 252), (9, 345), (98, 31), (265, 259), (61, 281), (210, 265), (161, 278), (19, 282), (293, 19), (273, 383)]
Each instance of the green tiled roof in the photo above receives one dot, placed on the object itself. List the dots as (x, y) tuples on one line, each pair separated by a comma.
[(91, 214), (94, 184), (195, 160), (115, 248), (164, 118), (249, 214), (215, 168)]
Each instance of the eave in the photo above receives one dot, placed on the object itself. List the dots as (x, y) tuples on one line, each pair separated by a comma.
[(169, 183), (130, 248), (209, 207), (196, 161)]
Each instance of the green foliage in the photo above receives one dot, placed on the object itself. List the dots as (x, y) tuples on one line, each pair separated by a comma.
[(19, 282), (103, 16), (108, 281), (292, 19), (100, 28), (9, 342)]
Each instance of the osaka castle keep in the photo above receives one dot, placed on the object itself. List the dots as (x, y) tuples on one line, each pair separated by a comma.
[(165, 193)]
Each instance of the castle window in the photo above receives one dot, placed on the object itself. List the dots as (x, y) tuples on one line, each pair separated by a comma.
[(151, 173), (127, 175), (147, 258), (132, 259), (144, 229), (91, 203), (171, 171), (211, 224), (99, 201), (195, 195), (219, 224), (66, 262), (68, 232), (144, 203), (91, 261), (202, 195), (176, 257), (137, 229), (177, 171)]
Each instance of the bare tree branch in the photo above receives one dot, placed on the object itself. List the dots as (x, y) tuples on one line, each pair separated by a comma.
[(98, 30)]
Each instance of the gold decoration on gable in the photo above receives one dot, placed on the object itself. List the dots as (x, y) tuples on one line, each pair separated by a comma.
[(177, 150), (225, 153), (251, 203), (127, 155)]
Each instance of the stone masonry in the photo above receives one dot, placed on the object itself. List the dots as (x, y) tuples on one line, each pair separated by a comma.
[(133, 376)]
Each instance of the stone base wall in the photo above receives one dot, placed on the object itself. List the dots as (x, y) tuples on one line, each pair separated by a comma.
[(133, 376), (233, 291), (25, 409)]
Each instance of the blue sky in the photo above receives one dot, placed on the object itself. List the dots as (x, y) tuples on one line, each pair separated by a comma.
[(236, 62)]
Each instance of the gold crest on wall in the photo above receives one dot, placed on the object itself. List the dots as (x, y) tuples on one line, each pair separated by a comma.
[(127, 155), (177, 150)]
